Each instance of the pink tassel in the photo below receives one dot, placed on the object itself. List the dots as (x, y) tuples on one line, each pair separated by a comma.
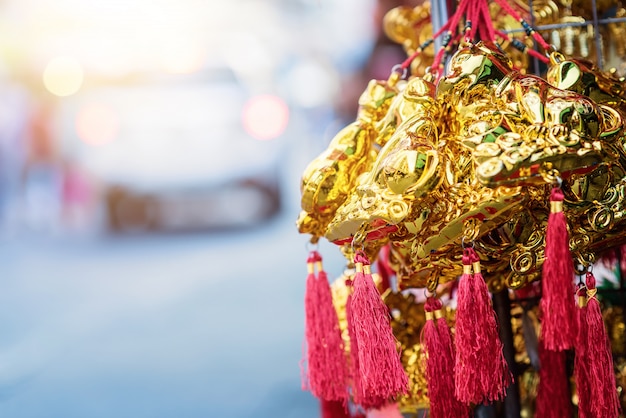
[(481, 373), (437, 339), (327, 369), (554, 394), (355, 374), (310, 320), (381, 377), (388, 411), (558, 307), (581, 361), (596, 362)]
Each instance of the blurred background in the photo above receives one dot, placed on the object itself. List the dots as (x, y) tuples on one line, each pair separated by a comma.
[(150, 158)]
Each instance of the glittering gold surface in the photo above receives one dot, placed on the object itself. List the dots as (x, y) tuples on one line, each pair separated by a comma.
[(432, 167), (408, 319), (471, 159), (329, 179), (411, 27)]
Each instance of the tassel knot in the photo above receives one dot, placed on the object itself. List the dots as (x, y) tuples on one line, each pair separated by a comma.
[(591, 294)]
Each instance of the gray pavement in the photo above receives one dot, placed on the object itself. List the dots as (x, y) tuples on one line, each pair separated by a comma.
[(199, 325)]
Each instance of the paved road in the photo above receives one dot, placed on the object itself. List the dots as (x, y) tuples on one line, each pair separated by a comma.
[(162, 326)]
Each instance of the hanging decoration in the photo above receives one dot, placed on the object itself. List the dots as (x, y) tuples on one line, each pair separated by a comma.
[(481, 374), (326, 369), (493, 163)]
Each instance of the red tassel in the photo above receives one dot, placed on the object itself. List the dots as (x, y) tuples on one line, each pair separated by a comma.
[(355, 373), (310, 319), (581, 361), (326, 361), (481, 373), (595, 373), (554, 394), (437, 339), (381, 376), (558, 306)]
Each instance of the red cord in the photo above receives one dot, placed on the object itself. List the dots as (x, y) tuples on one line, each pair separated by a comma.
[(507, 7), (456, 18), (452, 26), (489, 29), (520, 10), (477, 12), (437, 62), (473, 16), (405, 64), (443, 52), (481, 21), (538, 55), (449, 26), (528, 51)]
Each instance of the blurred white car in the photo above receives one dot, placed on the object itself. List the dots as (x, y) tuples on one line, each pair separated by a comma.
[(179, 152)]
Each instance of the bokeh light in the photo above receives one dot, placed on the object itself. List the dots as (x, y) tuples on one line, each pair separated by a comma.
[(180, 57), (132, 183), (265, 117), (63, 76), (97, 124), (313, 84)]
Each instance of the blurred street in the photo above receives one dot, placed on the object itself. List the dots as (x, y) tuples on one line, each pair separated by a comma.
[(144, 326), (150, 160)]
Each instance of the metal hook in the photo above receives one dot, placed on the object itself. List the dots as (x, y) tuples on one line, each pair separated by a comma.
[(312, 245), (584, 263), (463, 242), (432, 284), (555, 56), (357, 243), (400, 70), (558, 181), (360, 236), (428, 294)]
